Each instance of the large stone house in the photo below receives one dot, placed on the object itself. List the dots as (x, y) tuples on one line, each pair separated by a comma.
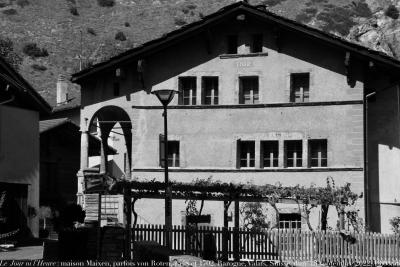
[(262, 99), (20, 109)]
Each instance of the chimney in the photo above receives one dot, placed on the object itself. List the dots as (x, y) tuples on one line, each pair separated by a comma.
[(62, 89)]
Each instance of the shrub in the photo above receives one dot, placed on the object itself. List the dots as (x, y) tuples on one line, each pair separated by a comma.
[(3, 5), (91, 31), (38, 67), (7, 52), (106, 3), (362, 10), (120, 36), (191, 6), (127, 24), (22, 3), (180, 21), (395, 223), (185, 10), (392, 12), (74, 11), (201, 15), (32, 50), (10, 11), (338, 19)]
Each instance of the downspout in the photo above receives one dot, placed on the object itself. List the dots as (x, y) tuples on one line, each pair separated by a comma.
[(366, 174)]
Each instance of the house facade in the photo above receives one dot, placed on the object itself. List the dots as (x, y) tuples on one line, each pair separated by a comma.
[(20, 109), (262, 99)]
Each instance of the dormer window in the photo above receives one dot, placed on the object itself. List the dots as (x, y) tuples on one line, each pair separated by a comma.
[(232, 41), (257, 43)]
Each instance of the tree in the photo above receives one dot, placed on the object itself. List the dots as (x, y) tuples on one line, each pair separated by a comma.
[(254, 216), (8, 54)]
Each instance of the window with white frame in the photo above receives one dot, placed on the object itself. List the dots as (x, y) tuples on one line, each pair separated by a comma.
[(293, 153), (187, 91), (318, 154), (289, 221), (248, 90), (210, 90), (246, 153), (269, 154), (299, 87)]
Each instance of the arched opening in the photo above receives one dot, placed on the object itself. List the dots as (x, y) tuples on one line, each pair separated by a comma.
[(112, 125)]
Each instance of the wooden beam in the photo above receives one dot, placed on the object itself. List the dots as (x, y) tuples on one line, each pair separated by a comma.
[(208, 41), (277, 38)]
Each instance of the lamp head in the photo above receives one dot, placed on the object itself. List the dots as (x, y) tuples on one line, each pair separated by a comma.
[(165, 95)]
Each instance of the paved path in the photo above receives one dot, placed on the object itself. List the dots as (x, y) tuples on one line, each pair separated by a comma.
[(23, 253)]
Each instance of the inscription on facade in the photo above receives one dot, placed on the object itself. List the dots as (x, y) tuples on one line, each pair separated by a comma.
[(244, 64)]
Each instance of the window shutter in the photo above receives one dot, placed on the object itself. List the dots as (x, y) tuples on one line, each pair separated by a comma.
[(238, 154), (162, 149), (180, 93), (241, 98)]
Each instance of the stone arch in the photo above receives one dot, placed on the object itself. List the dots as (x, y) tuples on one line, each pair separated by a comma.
[(105, 119)]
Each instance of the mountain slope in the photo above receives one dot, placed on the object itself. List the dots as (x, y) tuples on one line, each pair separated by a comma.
[(72, 29)]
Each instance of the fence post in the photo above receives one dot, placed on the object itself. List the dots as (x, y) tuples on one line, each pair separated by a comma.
[(236, 253), (225, 232)]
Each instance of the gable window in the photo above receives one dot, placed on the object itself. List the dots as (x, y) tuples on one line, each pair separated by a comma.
[(232, 42), (299, 87), (293, 153), (257, 44), (290, 221), (246, 153), (269, 153), (248, 90), (116, 89), (173, 153), (210, 90), (318, 153), (187, 91)]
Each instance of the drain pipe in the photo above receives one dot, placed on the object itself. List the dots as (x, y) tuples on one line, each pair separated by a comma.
[(366, 178)]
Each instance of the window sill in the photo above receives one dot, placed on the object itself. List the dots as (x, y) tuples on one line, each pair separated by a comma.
[(262, 54)]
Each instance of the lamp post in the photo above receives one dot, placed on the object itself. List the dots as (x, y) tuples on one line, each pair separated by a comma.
[(165, 96)]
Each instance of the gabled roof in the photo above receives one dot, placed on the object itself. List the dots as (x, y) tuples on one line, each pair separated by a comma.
[(239, 7), (46, 126), (23, 90)]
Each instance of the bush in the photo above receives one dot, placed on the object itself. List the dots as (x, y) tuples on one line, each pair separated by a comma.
[(392, 12), (32, 50), (395, 223), (106, 3), (74, 11), (191, 6), (91, 31), (22, 3), (338, 19), (10, 12), (38, 67), (362, 10), (271, 3), (7, 52), (3, 5), (127, 24), (180, 21), (201, 15), (120, 36)]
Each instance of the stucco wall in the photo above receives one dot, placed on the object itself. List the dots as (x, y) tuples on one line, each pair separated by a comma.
[(19, 154), (384, 157), (208, 136)]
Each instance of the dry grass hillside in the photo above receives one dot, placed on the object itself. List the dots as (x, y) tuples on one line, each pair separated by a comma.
[(51, 35)]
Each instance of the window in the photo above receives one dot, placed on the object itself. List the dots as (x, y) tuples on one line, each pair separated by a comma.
[(248, 90), (246, 153), (232, 44), (269, 153), (187, 91), (116, 89), (173, 153), (257, 44), (299, 87), (290, 221), (318, 153), (293, 153), (210, 90)]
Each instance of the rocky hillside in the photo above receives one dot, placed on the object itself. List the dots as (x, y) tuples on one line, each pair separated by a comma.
[(46, 38)]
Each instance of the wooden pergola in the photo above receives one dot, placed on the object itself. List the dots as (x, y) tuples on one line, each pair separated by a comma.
[(226, 192)]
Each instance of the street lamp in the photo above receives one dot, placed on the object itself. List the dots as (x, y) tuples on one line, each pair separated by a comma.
[(165, 96)]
